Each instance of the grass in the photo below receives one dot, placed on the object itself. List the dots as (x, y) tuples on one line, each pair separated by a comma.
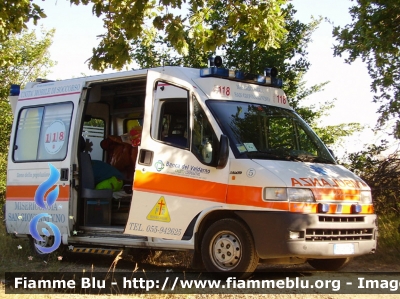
[(388, 249), (388, 238), (387, 255), (15, 256)]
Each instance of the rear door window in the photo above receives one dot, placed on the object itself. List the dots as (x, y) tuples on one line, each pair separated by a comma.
[(42, 133)]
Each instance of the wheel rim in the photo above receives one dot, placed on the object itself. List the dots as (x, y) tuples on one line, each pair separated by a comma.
[(47, 242), (225, 250)]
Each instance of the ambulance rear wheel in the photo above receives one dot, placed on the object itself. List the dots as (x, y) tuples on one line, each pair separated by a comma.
[(329, 264), (48, 241), (228, 249)]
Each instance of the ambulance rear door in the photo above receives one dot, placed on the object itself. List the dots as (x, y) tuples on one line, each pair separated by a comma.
[(39, 162)]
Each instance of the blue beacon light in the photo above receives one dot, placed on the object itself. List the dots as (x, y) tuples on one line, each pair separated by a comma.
[(215, 70), (15, 90)]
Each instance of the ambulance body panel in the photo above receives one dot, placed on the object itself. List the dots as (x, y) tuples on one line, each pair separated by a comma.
[(206, 161)]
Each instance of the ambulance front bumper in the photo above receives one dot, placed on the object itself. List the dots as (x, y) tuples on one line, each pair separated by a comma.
[(284, 234)]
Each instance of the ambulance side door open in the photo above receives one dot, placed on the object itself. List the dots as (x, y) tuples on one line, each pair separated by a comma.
[(39, 164), (182, 164)]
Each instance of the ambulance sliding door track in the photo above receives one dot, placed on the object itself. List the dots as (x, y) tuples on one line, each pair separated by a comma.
[(116, 229), (107, 235), (132, 241)]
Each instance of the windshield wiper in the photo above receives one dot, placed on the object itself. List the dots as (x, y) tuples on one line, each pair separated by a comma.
[(312, 158), (271, 156), (323, 160), (288, 156)]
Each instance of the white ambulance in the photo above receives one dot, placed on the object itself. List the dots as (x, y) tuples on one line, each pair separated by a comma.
[(174, 158)]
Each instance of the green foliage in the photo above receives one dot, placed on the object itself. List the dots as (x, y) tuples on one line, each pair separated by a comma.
[(389, 236), (16, 255), (240, 52), (153, 50), (24, 58), (290, 58), (27, 58), (381, 173), (374, 36), (95, 122), (291, 61), (14, 14), (175, 20), (329, 134)]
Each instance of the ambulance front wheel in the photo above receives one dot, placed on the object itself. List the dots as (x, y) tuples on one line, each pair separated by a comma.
[(329, 264), (228, 249)]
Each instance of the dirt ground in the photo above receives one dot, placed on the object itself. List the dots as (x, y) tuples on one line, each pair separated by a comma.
[(175, 262)]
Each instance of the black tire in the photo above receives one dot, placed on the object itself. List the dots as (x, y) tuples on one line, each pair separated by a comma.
[(228, 249), (329, 264)]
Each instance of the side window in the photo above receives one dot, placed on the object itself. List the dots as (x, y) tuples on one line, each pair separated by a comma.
[(172, 104), (28, 131), (43, 132), (204, 141), (174, 125), (306, 143), (94, 131)]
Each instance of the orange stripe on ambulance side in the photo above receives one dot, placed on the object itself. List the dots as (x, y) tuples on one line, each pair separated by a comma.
[(179, 186), (203, 190), (252, 196), (237, 195), (27, 193)]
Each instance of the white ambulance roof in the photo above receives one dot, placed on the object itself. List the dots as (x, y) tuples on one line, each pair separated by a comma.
[(213, 88)]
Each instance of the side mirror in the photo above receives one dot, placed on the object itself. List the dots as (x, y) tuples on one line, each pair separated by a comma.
[(223, 154)]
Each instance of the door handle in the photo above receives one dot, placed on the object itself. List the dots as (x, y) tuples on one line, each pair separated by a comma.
[(145, 157), (64, 174)]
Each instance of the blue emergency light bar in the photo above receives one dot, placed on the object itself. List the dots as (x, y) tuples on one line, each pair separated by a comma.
[(214, 72), (15, 90), (269, 77)]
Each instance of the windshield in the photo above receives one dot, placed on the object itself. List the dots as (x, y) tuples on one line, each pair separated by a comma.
[(266, 132)]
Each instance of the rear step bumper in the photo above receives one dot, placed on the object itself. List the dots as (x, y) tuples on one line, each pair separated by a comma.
[(103, 251)]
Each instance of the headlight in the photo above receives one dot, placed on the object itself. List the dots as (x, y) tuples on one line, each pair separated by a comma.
[(300, 195), (292, 194), (366, 197), (275, 194)]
